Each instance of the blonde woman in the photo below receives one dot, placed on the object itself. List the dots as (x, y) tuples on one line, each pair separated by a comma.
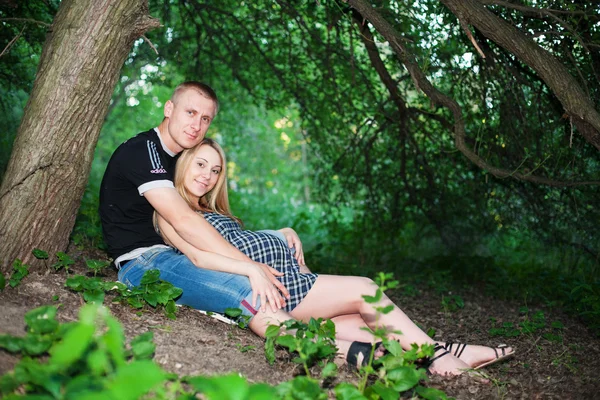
[(201, 179)]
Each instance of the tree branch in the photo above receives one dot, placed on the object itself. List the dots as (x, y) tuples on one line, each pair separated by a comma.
[(399, 46), (34, 21)]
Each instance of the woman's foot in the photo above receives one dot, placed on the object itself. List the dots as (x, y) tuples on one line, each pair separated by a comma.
[(477, 356), (445, 364)]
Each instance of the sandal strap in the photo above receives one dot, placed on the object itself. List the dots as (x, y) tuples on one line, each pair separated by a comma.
[(502, 347), (435, 350), (460, 347)]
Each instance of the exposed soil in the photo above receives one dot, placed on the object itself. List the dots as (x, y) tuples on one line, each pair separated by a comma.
[(195, 344)]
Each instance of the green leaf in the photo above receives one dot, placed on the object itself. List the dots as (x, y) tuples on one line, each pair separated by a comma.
[(227, 387), (272, 331), (431, 393), (20, 271), (557, 325), (36, 345), (8, 383), (98, 362), (2, 282), (404, 378), (75, 282), (386, 393), (143, 350), (301, 387), (12, 344), (233, 312), (386, 310), (261, 391), (145, 374), (171, 309), (142, 345), (135, 302), (114, 340), (76, 340), (39, 254), (374, 299), (95, 296), (118, 286), (270, 350), (97, 265), (287, 341), (151, 298), (329, 370), (150, 276), (42, 319), (347, 391)]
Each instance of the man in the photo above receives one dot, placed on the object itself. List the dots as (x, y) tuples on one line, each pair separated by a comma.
[(139, 180)]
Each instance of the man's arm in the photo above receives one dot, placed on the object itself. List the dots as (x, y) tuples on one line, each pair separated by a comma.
[(190, 226), (262, 277)]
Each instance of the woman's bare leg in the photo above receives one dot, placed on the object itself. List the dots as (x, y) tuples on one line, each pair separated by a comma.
[(334, 296), (348, 327)]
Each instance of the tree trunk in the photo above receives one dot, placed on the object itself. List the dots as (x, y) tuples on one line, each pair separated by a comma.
[(566, 88), (52, 154)]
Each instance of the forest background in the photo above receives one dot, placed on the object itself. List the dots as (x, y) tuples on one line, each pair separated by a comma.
[(370, 180), (328, 130)]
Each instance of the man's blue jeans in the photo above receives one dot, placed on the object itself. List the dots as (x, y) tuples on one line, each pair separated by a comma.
[(203, 289)]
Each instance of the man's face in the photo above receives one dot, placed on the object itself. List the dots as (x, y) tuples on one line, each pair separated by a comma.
[(189, 117)]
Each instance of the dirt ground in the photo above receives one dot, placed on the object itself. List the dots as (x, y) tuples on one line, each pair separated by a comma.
[(195, 344)]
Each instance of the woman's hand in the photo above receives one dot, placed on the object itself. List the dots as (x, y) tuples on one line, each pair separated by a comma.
[(267, 287), (294, 242)]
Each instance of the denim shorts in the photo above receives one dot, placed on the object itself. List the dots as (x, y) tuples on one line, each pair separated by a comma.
[(203, 289)]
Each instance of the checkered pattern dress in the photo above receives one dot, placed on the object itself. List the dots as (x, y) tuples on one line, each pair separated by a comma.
[(267, 249)]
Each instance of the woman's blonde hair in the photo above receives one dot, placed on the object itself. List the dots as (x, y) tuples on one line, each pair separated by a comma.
[(216, 200)]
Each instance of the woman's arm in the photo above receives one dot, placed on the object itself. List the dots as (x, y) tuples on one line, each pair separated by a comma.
[(294, 242), (262, 277)]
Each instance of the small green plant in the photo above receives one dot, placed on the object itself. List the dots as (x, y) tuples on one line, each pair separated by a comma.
[(385, 378), (152, 291), (236, 315), (86, 359), (533, 324), (64, 261), (245, 348), (507, 329), (97, 265), (311, 342), (20, 271), (452, 303), (41, 255)]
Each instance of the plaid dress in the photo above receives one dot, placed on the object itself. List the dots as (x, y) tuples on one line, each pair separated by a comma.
[(267, 249)]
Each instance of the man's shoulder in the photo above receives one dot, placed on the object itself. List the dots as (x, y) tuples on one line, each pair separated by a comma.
[(136, 147), (140, 140)]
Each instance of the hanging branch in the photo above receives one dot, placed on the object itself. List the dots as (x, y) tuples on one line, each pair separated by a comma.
[(422, 82)]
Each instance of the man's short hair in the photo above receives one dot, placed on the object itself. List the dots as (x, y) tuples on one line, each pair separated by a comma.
[(201, 88)]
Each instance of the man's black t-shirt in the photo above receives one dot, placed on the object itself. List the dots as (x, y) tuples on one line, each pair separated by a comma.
[(138, 165)]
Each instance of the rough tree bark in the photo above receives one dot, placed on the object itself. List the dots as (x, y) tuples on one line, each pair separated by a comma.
[(52, 154)]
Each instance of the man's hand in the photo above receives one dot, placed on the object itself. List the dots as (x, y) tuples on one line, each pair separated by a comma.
[(267, 287), (294, 241)]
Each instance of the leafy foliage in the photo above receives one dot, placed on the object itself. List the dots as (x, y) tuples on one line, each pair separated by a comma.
[(20, 271), (152, 291), (87, 359)]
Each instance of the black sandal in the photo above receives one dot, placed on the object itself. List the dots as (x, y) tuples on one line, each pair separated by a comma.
[(360, 348), (429, 361)]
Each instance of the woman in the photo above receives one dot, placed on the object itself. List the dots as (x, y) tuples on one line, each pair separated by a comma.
[(201, 179)]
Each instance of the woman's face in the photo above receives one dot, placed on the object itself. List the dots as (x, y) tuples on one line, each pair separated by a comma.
[(203, 173)]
